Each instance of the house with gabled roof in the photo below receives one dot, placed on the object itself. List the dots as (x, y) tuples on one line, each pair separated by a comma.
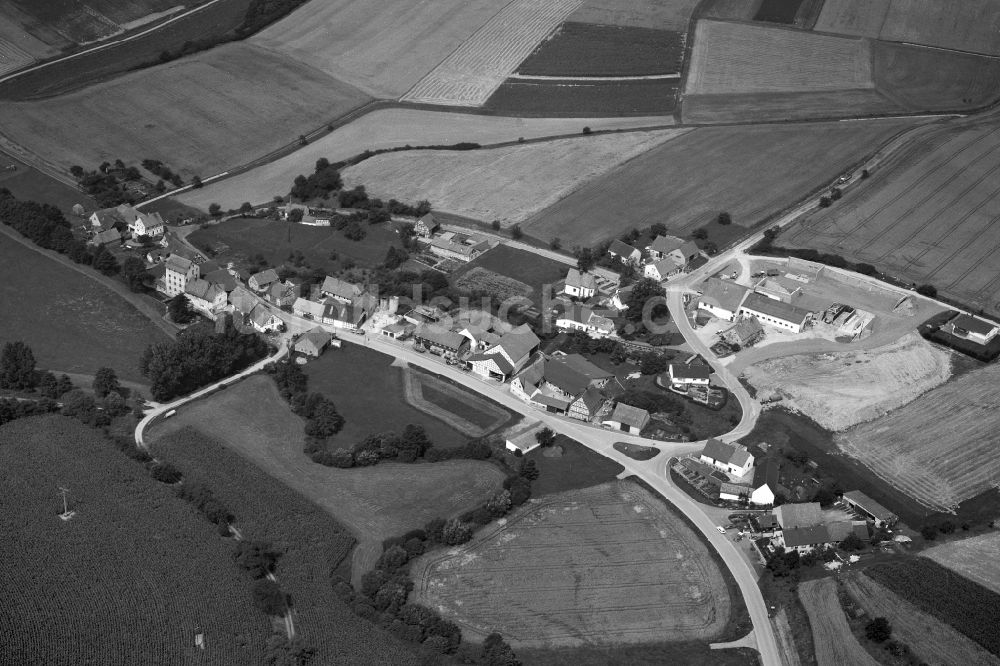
[(764, 488), (624, 252), (683, 375), (207, 298), (779, 288), (313, 342), (351, 316), (341, 290), (775, 313), (804, 539), (308, 309), (507, 356), (869, 508), (683, 252), (744, 333), (178, 271), (580, 284), (563, 384), (242, 300), (721, 298), (263, 320), (802, 514), (627, 418), (973, 329), (590, 406), (452, 246), (109, 237), (223, 278), (663, 269), (261, 281), (578, 317), (426, 226), (730, 458), (439, 340), (282, 293)]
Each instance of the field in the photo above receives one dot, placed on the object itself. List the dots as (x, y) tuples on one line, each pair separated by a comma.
[(377, 502), (500, 286), (526, 267), (933, 641), (921, 79), (771, 106), (240, 101), (569, 465), (12, 56), (545, 577), (573, 98), (586, 49), (463, 410), (391, 128), (71, 322), (974, 558), (470, 73), (28, 183), (739, 58), (313, 546), (669, 15), (941, 448), (778, 11), (963, 605), (706, 173), (832, 637), (508, 184), (129, 579), (842, 389), (64, 22), (863, 18), (930, 219)]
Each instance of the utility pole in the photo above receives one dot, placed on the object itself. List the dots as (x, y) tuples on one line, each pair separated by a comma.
[(66, 514)]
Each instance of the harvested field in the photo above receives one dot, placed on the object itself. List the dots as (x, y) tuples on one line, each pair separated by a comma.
[(28, 183), (461, 409), (941, 448), (214, 129), (573, 98), (585, 49), (382, 47), (834, 643), (508, 184), (778, 11), (930, 219), (931, 640), (741, 58), (921, 79), (863, 18), (706, 172), (770, 106), (657, 14), (730, 10), (544, 578), (843, 389), (12, 57), (391, 128), (526, 267), (975, 558), (65, 22), (470, 74), (129, 579), (12, 31), (501, 286), (972, 25), (72, 323)]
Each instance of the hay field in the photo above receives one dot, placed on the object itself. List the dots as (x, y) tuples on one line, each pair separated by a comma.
[(12, 31), (975, 558), (507, 184), (12, 57), (561, 98), (970, 25), (863, 18), (239, 101), (941, 448), (843, 389), (391, 128), (604, 565), (741, 58), (658, 14), (383, 47), (834, 643), (470, 73), (921, 79), (930, 639), (772, 106), (686, 182), (931, 218)]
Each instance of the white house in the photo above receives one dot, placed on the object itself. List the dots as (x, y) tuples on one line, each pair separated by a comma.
[(523, 441), (684, 376), (765, 483), (453, 246), (580, 285), (178, 271), (147, 224), (262, 281), (775, 313), (721, 298), (578, 317), (262, 320), (625, 253), (662, 269), (627, 418), (349, 316), (206, 297), (511, 353), (779, 288), (682, 251), (974, 329), (308, 309), (729, 458)]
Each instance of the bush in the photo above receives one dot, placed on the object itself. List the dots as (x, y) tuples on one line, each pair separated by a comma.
[(164, 472), (824, 202), (268, 597), (878, 630), (205, 501), (927, 290), (724, 218), (928, 532), (256, 557)]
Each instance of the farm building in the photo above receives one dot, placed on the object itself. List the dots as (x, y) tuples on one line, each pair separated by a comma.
[(578, 317), (662, 269), (350, 316), (730, 458), (869, 508), (580, 284), (780, 288), (341, 290), (308, 309), (263, 320), (263, 280), (685, 376), (744, 333), (314, 342), (732, 492), (108, 218), (775, 313), (399, 331), (682, 251), (523, 441), (282, 293), (805, 514), (426, 226), (625, 253), (628, 419), (563, 384), (150, 224), (425, 314), (101, 238), (842, 529), (179, 270), (453, 246), (242, 300), (510, 353), (439, 340), (974, 329), (804, 539), (480, 335), (721, 298), (765, 483), (223, 278), (207, 298)]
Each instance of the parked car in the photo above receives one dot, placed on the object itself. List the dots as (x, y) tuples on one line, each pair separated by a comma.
[(722, 530)]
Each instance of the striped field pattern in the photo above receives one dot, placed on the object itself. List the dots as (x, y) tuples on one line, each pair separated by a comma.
[(12, 57)]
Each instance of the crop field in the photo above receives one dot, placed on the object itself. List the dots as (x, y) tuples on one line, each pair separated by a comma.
[(470, 73), (657, 14), (778, 11), (240, 101), (71, 322), (686, 182), (842, 389), (500, 286), (921, 79), (12, 57), (546, 578), (26, 182), (741, 58), (863, 18), (461, 409), (965, 606), (974, 557), (391, 128), (931, 640), (930, 219), (508, 184), (129, 579), (834, 643), (586, 49), (12, 31), (72, 23), (382, 47), (573, 98), (773, 106), (526, 267), (312, 545), (941, 448)]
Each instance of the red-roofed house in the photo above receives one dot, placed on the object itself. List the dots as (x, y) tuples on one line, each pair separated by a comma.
[(682, 375)]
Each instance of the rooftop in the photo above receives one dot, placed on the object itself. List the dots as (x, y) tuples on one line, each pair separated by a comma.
[(665, 244), (772, 308), (725, 294), (805, 536), (798, 515), (974, 324), (682, 371), (869, 505), (574, 278), (630, 416)]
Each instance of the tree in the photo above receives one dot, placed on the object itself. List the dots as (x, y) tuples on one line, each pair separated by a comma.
[(48, 386), (295, 215), (495, 224), (268, 597), (878, 630), (63, 386), (824, 202), (256, 557), (658, 229), (653, 364), (499, 504), (161, 186), (555, 243), (77, 171), (516, 233), (928, 290), (17, 366), (699, 234), (724, 218), (105, 382), (180, 310), (528, 469), (105, 262), (496, 652), (246, 208), (851, 543), (215, 210), (585, 259), (836, 194), (642, 292), (80, 406), (195, 182), (928, 532), (545, 437), (586, 130), (864, 174), (133, 272)]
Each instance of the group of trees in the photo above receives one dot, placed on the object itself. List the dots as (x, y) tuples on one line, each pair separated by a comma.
[(321, 415), (164, 172), (107, 184)]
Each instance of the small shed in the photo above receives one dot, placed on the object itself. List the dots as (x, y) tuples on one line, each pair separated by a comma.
[(870, 509), (523, 440), (628, 419)]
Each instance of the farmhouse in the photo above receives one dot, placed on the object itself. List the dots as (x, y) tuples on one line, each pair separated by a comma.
[(108, 218), (341, 290), (577, 317), (207, 298), (524, 441), (581, 285), (439, 340), (744, 333), (179, 270), (804, 539), (628, 419), (765, 483), (223, 278), (974, 329), (308, 309), (344, 315), (869, 508), (150, 224), (625, 253), (683, 252), (775, 313), (684, 376), (565, 384), (453, 246), (730, 458), (663, 269), (108, 237), (480, 336), (242, 300), (399, 331), (511, 353), (313, 342), (263, 320), (426, 226), (780, 288), (260, 282), (721, 298), (425, 314), (805, 514)]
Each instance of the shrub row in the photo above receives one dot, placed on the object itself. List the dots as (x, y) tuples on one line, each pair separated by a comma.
[(321, 415)]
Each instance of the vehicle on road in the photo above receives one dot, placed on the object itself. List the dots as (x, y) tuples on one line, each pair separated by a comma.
[(722, 530)]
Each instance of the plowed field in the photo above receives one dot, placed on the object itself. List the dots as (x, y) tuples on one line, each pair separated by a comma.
[(659, 14), (832, 637), (974, 558)]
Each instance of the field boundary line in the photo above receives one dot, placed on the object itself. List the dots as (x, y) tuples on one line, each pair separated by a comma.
[(582, 79)]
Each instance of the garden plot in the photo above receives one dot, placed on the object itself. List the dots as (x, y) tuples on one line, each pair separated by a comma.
[(500, 286), (604, 565), (843, 389), (975, 558), (834, 643), (475, 69)]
